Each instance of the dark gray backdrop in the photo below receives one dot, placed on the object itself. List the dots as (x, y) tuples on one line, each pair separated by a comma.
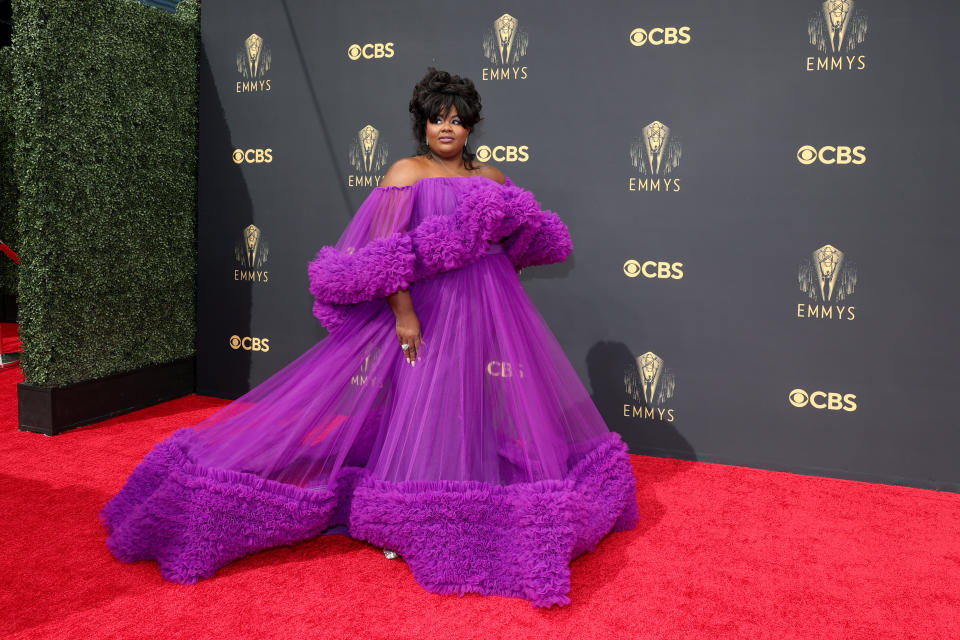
[(736, 94)]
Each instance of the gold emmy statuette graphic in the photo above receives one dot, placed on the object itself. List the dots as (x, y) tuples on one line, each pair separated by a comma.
[(656, 152), (253, 61), (505, 43), (829, 274), (251, 252), (837, 27), (368, 153), (649, 380)]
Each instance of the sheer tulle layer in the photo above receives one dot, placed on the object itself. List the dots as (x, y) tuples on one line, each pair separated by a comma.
[(486, 465)]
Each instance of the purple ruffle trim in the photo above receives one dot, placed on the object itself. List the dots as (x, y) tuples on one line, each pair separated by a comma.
[(484, 214), (456, 536)]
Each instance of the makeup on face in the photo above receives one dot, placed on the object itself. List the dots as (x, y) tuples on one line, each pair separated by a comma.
[(447, 132)]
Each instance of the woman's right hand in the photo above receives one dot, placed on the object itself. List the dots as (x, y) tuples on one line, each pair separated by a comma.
[(408, 332)]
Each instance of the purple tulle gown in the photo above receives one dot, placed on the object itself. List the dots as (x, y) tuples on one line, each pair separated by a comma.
[(486, 466)]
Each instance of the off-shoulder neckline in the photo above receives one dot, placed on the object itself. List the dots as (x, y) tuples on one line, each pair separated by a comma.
[(410, 186)]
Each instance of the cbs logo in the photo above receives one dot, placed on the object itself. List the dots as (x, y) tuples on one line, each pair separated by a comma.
[(831, 155), (660, 35), (503, 369), (370, 51), (252, 156), (653, 269), (823, 400), (508, 153), (250, 344)]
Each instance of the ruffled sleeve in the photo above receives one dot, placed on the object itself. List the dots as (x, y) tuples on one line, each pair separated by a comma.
[(539, 236), (373, 257)]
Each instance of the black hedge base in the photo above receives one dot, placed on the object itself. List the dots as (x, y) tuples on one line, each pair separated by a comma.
[(53, 410), (8, 307)]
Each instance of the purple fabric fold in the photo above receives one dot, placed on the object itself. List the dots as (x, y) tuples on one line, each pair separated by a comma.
[(485, 212), (456, 536)]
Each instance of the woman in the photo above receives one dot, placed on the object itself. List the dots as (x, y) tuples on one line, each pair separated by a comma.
[(439, 418)]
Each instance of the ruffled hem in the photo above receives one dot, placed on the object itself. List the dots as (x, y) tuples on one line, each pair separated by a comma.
[(456, 536)]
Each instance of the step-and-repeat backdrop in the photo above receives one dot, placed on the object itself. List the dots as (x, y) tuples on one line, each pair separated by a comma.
[(759, 194)]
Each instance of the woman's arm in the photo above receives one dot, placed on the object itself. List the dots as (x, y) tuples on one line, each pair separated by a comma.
[(408, 324), (402, 173)]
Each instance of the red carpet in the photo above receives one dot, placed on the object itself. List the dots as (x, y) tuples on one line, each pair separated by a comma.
[(721, 552), (9, 337)]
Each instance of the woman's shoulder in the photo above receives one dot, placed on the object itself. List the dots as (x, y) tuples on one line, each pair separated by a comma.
[(490, 171), (403, 173)]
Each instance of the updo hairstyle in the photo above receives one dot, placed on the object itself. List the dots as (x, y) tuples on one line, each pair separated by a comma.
[(432, 97)]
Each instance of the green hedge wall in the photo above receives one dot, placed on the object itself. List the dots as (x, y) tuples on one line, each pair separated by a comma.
[(8, 184), (105, 156)]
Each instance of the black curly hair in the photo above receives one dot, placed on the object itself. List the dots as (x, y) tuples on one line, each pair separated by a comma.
[(432, 97)]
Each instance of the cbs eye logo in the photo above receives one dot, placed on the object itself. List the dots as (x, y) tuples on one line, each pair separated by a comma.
[(370, 51), (250, 344), (503, 153), (253, 156), (808, 154), (823, 400), (660, 35), (653, 269)]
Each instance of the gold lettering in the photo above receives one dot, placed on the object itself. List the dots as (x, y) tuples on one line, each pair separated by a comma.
[(841, 63), (824, 312), (653, 184), (506, 73), (648, 413), (363, 181), (247, 275), (256, 86)]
